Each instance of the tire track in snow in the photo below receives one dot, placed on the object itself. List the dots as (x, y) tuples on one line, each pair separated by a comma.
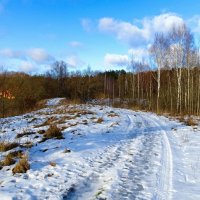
[(104, 164), (133, 182), (120, 171), (109, 161), (128, 162), (165, 178)]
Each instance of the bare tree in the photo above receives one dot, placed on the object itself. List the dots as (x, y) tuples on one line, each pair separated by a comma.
[(3, 77), (159, 51), (180, 56), (59, 72)]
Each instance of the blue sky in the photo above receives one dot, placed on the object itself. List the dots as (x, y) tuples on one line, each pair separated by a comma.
[(101, 33)]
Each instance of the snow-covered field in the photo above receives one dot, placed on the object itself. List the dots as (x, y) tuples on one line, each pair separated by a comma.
[(106, 153)]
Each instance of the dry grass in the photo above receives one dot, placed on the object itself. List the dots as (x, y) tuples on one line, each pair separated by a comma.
[(113, 114), (60, 111), (24, 134), (27, 145), (53, 132), (191, 122), (71, 125), (8, 160), (6, 146), (16, 154), (66, 118), (85, 122), (182, 119), (49, 121), (72, 111), (41, 131), (99, 120), (41, 104), (22, 166), (53, 164), (67, 151), (87, 112), (114, 124), (32, 120)]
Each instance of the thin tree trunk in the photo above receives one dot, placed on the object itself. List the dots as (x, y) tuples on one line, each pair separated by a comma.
[(158, 92)]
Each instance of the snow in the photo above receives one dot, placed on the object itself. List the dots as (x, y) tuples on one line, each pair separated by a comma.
[(54, 102), (129, 155)]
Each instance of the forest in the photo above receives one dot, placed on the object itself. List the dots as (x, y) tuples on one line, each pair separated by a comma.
[(168, 81)]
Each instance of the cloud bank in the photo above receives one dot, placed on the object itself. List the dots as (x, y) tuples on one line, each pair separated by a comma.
[(140, 32), (28, 61), (116, 59)]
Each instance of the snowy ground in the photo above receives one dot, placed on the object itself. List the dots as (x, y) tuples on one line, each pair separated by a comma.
[(129, 155)]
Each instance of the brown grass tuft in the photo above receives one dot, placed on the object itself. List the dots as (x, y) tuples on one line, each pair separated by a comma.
[(190, 122), (22, 166), (41, 131), (27, 145), (16, 154), (99, 120), (50, 121), (8, 160), (53, 164), (6, 146), (53, 132), (24, 134)]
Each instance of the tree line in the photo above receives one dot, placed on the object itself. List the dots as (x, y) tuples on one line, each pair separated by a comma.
[(168, 81)]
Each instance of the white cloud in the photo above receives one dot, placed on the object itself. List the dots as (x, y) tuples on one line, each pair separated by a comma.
[(39, 55), (75, 44), (74, 61), (31, 60), (25, 66), (86, 24), (135, 34), (138, 54), (194, 23), (116, 59), (9, 53)]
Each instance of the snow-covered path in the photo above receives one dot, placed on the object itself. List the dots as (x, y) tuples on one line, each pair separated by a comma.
[(127, 170), (129, 155)]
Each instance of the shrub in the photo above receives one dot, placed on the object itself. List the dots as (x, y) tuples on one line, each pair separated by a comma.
[(53, 132), (6, 146), (22, 166)]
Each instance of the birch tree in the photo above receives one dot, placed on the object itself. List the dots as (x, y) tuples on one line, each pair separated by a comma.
[(159, 50)]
